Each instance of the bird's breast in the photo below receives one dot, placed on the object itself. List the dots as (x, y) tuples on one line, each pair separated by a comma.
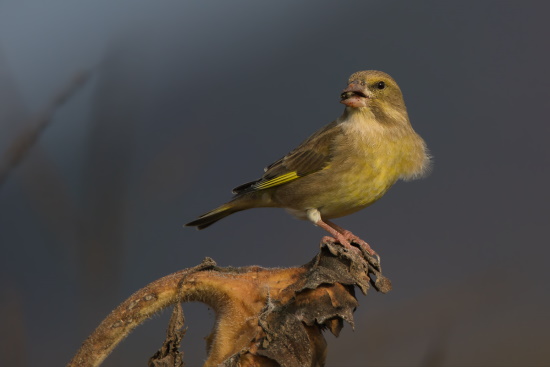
[(362, 180), (352, 181), (365, 162)]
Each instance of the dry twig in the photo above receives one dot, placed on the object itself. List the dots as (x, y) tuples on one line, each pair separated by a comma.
[(15, 153)]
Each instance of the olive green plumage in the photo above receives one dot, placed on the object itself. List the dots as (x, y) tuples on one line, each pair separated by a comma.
[(345, 166)]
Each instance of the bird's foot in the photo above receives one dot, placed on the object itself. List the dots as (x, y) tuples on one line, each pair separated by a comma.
[(342, 241), (346, 238), (350, 237), (374, 260), (333, 228)]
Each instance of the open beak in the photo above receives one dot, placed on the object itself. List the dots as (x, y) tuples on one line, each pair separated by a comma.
[(354, 96)]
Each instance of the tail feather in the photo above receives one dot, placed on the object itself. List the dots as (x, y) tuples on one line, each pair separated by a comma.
[(213, 216)]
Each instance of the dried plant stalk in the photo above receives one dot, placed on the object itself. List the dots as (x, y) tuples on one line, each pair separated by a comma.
[(264, 317)]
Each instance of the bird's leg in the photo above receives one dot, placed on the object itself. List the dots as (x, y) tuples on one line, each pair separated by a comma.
[(344, 237), (350, 237), (315, 216), (337, 235)]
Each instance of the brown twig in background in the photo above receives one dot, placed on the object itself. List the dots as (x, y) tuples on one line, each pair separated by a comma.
[(15, 153), (264, 317)]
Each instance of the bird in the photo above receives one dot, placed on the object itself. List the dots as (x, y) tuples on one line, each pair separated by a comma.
[(342, 168)]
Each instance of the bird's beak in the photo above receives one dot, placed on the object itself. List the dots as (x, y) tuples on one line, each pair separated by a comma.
[(354, 95)]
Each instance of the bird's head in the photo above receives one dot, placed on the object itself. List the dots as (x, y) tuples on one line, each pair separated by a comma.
[(372, 89), (375, 93)]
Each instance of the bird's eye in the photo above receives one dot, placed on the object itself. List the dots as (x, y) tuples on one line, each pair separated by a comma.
[(381, 85)]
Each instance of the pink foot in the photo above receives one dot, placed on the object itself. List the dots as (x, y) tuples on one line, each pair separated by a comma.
[(340, 234), (353, 238), (342, 241), (350, 237)]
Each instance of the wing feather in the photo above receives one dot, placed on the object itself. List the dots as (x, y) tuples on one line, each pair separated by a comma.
[(313, 155)]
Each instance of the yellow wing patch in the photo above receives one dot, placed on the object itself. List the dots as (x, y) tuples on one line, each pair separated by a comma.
[(276, 181)]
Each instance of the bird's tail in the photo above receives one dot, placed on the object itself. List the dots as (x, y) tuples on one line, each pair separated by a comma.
[(215, 215)]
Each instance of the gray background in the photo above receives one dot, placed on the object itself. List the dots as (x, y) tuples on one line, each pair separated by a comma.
[(189, 99)]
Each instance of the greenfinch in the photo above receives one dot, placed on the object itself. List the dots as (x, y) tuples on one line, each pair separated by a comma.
[(342, 168)]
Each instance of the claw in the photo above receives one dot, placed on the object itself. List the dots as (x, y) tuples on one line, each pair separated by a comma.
[(343, 242)]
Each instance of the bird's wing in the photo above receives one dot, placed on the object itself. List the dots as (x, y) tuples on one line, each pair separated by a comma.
[(311, 156)]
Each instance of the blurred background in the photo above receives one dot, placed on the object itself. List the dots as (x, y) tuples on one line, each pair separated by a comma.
[(186, 100)]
